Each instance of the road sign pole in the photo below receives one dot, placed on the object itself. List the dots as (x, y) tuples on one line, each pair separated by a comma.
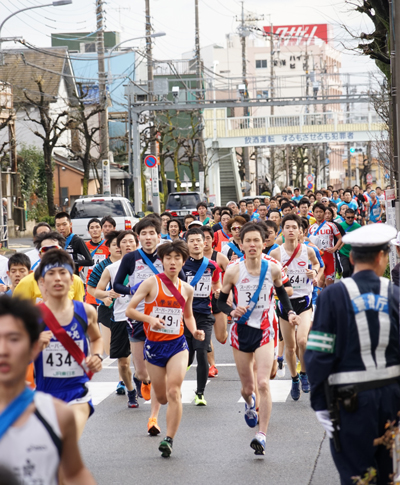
[(155, 189)]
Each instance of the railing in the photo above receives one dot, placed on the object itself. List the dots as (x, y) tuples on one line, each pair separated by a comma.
[(279, 125)]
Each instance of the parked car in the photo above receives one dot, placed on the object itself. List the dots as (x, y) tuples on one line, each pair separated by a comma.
[(179, 204), (89, 206)]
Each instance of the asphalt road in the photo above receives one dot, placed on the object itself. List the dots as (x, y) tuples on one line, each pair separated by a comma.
[(213, 442)]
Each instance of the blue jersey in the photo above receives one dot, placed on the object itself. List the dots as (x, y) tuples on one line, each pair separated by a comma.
[(202, 290), (57, 372), (375, 211)]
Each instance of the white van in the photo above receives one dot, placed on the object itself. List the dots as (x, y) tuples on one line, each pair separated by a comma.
[(89, 206)]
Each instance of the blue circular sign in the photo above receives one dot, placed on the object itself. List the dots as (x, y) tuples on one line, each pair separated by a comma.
[(150, 161), (309, 186)]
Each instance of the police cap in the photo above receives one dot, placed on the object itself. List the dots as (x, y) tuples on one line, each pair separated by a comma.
[(372, 237)]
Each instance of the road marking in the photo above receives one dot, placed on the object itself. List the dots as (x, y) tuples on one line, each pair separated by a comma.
[(279, 390), (101, 390)]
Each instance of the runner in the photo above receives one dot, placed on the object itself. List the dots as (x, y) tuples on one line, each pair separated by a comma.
[(98, 251), (203, 275), (220, 325), (167, 300), (232, 249), (174, 228), (375, 209), (295, 258), (63, 368), (107, 224), (165, 217), (28, 288), (105, 308), (349, 225), (34, 427), (119, 344), (271, 230), (33, 254), (74, 245), (202, 211), (252, 335), (262, 212), (137, 267), (323, 233), (222, 237), (19, 266)]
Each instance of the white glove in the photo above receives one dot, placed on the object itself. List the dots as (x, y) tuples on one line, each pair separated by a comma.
[(323, 418)]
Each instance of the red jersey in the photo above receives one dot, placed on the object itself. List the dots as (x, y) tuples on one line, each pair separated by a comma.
[(221, 238)]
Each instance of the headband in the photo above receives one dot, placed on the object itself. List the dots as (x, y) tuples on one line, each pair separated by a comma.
[(48, 267)]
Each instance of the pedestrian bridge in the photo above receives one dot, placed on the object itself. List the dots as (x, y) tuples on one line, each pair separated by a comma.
[(308, 128)]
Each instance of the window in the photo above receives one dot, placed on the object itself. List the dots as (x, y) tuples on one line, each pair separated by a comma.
[(261, 64)]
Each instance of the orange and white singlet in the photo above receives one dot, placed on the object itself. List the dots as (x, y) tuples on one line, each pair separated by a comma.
[(167, 307)]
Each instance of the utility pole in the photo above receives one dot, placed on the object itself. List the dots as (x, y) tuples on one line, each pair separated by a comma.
[(348, 143), (155, 190), (272, 95), (103, 101), (246, 112), (199, 75), (395, 16)]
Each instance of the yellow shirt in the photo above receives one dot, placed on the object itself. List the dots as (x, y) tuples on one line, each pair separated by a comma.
[(28, 289)]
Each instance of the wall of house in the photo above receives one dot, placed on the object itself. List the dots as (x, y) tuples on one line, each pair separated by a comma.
[(70, 181)]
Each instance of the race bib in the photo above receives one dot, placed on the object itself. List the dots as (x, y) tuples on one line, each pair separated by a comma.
[(203, 287), (58, 362), (98, 258), (172, 318), (223, 244), (298, 280)]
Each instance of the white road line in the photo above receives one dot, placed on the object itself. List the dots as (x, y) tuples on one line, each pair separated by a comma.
[(101, 390), (188, 390), (279, 390)]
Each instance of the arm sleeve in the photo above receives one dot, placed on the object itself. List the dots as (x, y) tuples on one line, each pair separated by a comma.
[(222, 303), (283, 298), (80, 249), (95, 276), (126, 268)]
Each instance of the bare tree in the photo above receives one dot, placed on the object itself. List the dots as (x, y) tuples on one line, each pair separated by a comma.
[(52, 129)]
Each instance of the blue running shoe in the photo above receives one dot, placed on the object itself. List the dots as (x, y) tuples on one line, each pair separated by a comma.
[(258, 444), (295, 391), (121, 389), (250, 413), (132, 399), (305, 385)]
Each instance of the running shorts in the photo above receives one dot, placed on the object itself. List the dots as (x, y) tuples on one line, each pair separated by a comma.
[(329, 268), (79, 395), (299, 305), (248, 339), (119, 345), (159, 353), (135, 331), (104, 315)]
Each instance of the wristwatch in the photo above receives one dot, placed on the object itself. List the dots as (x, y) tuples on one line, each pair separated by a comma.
[(292, 312), (99, 356)]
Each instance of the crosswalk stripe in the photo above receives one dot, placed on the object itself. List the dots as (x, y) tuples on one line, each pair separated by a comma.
[(102, 390), (279, 390)]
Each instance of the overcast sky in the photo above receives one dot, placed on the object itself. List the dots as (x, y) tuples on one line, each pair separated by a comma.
[(176, 18)]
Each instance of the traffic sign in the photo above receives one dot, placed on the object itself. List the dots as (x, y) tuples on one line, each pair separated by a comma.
[(310, 186), (310, 178), (369, 178), (150, 161)]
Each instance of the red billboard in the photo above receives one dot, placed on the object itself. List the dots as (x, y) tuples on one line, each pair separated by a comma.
[(301, 34)]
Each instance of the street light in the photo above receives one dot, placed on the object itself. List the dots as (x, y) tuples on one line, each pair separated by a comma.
[(56, 3), (156, 34)]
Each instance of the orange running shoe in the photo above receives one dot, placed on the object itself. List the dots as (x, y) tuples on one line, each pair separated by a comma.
[(152, 427), (145, 390), (212, 371)]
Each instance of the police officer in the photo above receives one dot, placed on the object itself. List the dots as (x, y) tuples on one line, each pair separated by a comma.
[(353, 359)]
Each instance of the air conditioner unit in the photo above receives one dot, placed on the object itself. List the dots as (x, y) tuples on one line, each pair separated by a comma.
[(87, 47)]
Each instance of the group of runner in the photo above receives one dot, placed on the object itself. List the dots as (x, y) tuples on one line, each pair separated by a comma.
[(156, 293)]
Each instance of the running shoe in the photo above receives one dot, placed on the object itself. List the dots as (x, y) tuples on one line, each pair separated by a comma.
[(132, 399), (165, 448), (152, 427), (305, 385), (199, 400), (281, 368), (121, 389), (258, 444), (295, 391), (146, 388), (138, 385), (250, 413), (212, 371)]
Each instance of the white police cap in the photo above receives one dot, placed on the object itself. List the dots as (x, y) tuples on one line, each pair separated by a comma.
[(396, 240), (370, 237)]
